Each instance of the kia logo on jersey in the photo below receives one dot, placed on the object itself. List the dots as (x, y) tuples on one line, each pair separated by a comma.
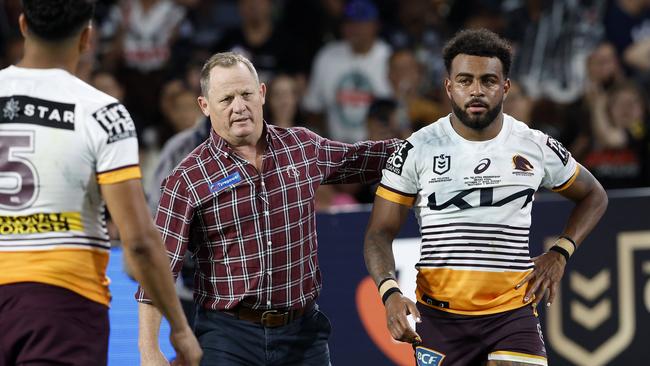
[(482, 166)]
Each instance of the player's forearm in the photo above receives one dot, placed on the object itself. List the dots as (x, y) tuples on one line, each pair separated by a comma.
[(151, 268), (378, 254), (149, 318)]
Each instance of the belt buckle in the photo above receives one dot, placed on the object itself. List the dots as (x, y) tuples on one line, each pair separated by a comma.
[(270, 318)]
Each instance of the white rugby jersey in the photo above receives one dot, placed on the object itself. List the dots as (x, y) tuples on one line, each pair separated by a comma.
[(59, 139), (473, 201)]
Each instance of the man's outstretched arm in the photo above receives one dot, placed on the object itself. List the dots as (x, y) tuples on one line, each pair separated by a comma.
[(386, 220)]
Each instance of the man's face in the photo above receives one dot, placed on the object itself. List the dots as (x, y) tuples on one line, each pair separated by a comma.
[(603, 66), (360, 34), (476, 88), (404, 73), (234, 103), (255, 10)]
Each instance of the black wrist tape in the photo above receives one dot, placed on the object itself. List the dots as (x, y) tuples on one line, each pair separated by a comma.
[(560, 250), (389, 292), (569, 239)]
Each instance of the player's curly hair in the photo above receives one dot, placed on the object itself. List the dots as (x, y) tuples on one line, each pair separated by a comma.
[(56, 20), (478, 42)]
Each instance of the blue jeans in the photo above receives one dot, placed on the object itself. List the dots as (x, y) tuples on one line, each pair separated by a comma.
[(226, 340)]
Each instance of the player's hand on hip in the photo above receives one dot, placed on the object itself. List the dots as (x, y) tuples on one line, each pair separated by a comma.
[(548, 272), (398, 307), (188, 350), (153, 357)]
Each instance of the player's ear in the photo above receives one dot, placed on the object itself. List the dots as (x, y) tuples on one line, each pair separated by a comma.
[(448, 87), (22, 24), (86, 38)]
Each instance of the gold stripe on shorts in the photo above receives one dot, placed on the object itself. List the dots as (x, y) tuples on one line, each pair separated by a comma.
[(518, 357)]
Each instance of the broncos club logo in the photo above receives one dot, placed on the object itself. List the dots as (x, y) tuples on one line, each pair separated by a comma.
[(522, 164)]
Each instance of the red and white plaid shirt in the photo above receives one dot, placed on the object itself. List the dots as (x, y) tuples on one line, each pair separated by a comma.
[(252, 235)]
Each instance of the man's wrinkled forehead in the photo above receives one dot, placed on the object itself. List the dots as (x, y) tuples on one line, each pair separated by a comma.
[(231, 78)]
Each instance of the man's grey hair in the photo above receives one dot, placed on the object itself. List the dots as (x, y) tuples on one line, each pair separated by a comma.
[(223, 59)]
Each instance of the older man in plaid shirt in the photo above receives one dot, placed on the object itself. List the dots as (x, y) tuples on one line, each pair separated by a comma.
[(243, 204)]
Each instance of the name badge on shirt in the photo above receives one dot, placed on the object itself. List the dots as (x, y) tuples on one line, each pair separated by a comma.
[(226, 182)]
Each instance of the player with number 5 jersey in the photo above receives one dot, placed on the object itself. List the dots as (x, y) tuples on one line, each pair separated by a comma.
[(59, 140), (68, 152)]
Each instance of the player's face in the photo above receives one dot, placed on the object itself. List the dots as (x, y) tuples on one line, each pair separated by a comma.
[(234, 104), (476, 88)]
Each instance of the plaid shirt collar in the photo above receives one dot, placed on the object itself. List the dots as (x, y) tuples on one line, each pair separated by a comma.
[(220, 147)]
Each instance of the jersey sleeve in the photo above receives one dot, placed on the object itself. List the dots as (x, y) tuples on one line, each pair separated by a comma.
[(399, 181), (115, 143), (560, 168)]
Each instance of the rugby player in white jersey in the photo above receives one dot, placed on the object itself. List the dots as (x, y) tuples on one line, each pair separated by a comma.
[(66, 149), (471, 177)]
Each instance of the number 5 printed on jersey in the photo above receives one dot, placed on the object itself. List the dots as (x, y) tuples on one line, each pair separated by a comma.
[(18, 176)]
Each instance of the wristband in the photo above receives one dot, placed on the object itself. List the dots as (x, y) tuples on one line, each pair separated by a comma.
[(387, 284), (566, 244), (573, 242), (389, 292), (560, 250)]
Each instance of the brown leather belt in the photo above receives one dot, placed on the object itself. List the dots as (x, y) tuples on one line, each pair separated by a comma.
[(269, 318)]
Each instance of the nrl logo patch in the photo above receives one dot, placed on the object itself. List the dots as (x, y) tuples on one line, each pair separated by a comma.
[(441, 164)]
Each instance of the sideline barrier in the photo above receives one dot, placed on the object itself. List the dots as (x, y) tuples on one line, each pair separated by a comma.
[(602, 316)]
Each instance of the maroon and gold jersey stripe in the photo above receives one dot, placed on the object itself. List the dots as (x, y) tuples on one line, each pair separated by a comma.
[(569, 182), (79, 270), (472, 292), (395, 196), (119, 175)]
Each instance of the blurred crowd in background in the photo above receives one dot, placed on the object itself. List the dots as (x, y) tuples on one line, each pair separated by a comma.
[(372, 69)]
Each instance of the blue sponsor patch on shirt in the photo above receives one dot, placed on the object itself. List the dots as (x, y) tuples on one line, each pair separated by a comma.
[(428, 357), (226, 182)]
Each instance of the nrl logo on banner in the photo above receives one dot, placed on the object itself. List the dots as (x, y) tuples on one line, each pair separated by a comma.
[(602, 326)]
